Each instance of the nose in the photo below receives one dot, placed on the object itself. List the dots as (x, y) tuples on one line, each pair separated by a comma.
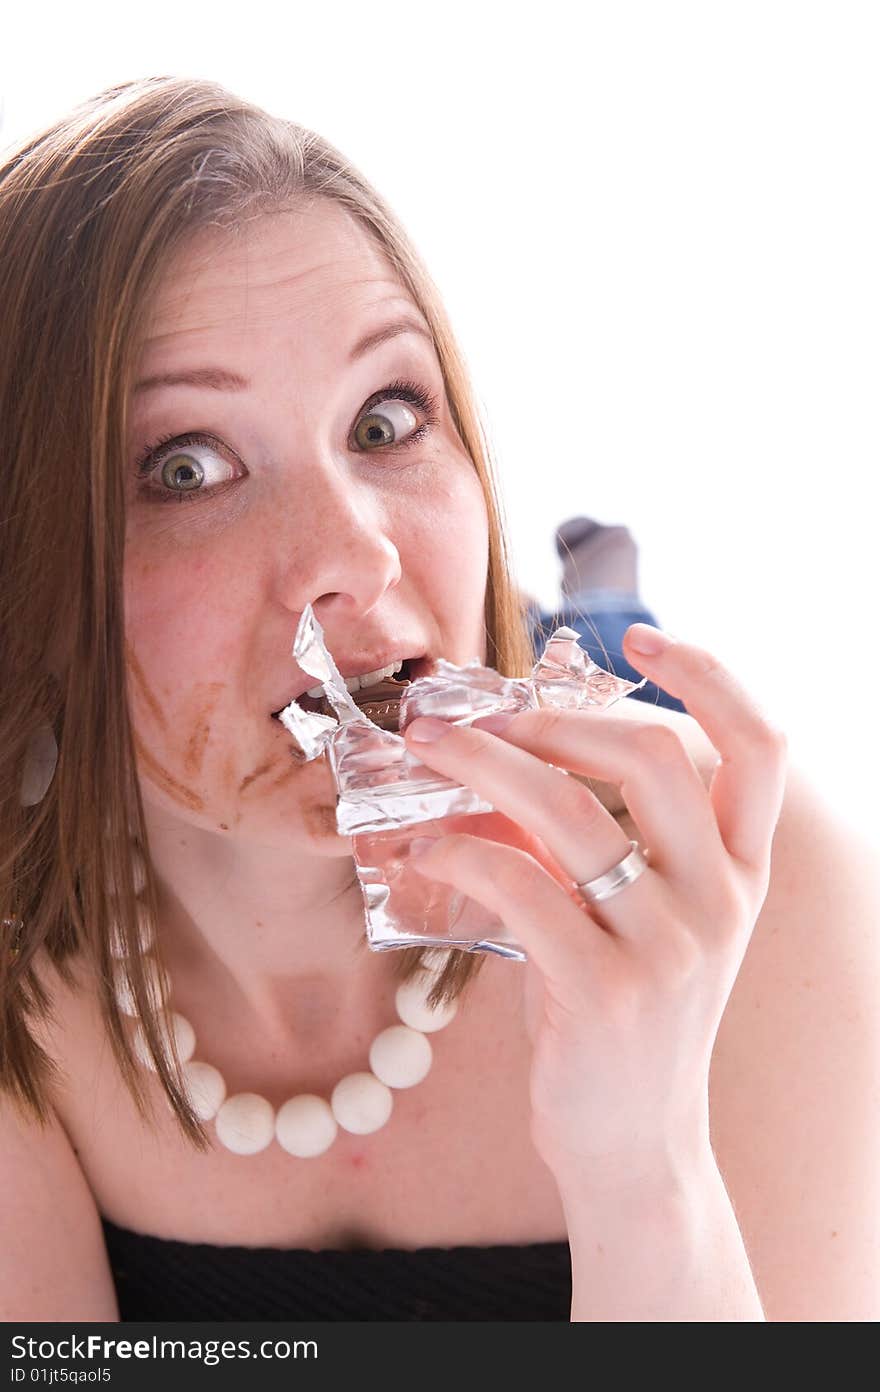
[(338, 557)]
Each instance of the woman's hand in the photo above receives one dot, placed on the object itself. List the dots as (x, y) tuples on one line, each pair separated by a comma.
[(625, 996)]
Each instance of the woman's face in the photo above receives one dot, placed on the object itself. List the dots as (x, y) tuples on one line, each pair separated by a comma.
[(283, 500)]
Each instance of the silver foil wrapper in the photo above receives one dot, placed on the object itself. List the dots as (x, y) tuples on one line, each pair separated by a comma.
[(391, 805)]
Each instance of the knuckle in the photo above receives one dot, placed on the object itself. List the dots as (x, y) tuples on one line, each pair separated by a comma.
[(479, 742), (658, 743), (706, 664), (767, 739), (679, 955), (544, 723), (729, 902), (725, 909), (576, 803), (518, 872), (774, 738)]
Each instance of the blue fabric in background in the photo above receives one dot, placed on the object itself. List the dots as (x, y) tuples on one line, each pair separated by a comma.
[(600, 618)]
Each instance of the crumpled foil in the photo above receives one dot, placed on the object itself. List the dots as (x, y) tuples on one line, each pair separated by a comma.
[(391, 805)]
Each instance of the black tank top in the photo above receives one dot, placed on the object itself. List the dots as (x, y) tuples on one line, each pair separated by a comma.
[(160, 1279)]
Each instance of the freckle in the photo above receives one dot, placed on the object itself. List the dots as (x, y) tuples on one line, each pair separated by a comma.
[(223, 826), (834, 1234), (808, 984)]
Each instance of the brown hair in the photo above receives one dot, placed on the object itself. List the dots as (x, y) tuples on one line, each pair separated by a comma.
[(90, 212)]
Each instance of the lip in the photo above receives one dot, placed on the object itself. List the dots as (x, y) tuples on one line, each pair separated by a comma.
[(419, 666)]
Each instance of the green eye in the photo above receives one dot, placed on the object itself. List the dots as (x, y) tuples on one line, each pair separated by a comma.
[(182, 472), (382, 428)]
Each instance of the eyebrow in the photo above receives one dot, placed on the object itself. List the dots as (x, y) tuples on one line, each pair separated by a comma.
[(390, 330), (221, 379)]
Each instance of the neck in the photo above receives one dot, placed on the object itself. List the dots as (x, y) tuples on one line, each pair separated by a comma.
[(277, 930)]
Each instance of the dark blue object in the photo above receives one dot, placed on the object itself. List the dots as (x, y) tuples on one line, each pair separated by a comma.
[(600, 618)]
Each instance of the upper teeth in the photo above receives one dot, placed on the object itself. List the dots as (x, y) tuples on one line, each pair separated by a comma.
[(368, 679)]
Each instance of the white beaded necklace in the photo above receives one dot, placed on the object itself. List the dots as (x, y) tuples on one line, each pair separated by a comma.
[(306, 1125)]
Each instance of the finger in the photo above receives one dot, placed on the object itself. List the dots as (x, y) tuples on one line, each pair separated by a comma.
[(556, 935), (564, 815), (748, 784), (660, 784)]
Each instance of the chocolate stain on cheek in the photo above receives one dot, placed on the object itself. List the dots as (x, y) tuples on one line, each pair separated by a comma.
[(143, 687), (194, 754), (319, 819), (257, 773), (176, 790)]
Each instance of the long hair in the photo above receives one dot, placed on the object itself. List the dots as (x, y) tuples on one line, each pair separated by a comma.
[(91, 211)]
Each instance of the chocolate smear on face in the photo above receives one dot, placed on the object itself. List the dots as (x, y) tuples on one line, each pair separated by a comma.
[(143, 687), (194, 753), (161, 777)]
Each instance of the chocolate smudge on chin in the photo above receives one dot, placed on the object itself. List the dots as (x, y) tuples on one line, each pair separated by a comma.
[(177, 791)]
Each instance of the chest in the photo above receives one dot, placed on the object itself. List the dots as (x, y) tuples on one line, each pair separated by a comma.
[(454, 1165)]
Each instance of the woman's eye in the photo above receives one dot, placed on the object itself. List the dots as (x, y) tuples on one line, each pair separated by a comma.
[(183, 468), (189, 467), (384, 425)]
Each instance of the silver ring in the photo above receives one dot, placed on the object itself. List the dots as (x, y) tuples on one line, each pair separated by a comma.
[(623, 873)]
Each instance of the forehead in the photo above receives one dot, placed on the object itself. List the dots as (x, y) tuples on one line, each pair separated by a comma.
[(314, 266)]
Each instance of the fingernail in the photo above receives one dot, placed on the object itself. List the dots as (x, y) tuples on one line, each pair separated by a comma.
[(427, 728), (494, 723), (642, 638)]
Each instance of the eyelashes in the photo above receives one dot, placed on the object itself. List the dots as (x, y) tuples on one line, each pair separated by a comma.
[(152, 456)]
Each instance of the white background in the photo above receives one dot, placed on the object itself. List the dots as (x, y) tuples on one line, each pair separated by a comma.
[(656, 227)]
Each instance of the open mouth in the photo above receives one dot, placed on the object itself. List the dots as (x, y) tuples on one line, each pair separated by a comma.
[(412, 667)]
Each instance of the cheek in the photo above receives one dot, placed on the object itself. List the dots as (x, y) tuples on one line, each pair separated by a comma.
[(181, 615), (450, 542), (180, 654)]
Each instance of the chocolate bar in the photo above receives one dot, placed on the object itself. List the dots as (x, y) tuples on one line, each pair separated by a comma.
[(379, 703)]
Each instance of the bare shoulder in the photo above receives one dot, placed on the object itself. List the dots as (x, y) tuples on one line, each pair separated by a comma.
[(794, 1071), (71, 1012)]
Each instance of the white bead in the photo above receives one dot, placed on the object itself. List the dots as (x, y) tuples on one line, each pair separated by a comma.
[(245, 1123), (400, 1056), (144, 933), (413, 1008), (184, 1036), (361, 1104), (205, 1087), (138, 870), (305, 1126), (154, 977)]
